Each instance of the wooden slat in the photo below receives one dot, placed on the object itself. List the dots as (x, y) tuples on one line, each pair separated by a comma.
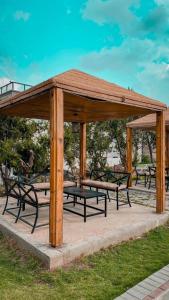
[(148, 121), (129, 153), (160, 162), (56, 167), (167, 149), (82, 151), (77, 109), (76, 82)]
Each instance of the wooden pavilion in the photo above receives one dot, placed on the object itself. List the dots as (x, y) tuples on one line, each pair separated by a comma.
[(149, 123), (75, 96)]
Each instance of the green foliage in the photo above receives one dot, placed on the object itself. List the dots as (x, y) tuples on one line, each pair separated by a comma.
[(98, 144), (18, 136), (117, 132), (145, 159), (71, 147)]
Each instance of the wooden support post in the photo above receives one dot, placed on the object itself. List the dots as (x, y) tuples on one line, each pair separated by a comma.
[(129, 153), (56, 167), (82, 150), (160, 162), (167, 149)]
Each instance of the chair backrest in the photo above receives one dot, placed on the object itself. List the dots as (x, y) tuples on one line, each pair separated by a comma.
[(69, 176), (152, 170), (28, 193), (12, 188), (98, 175), (111, 176), (118, 177), (44, 173), (167, 170), (141, 169), (4, 171)]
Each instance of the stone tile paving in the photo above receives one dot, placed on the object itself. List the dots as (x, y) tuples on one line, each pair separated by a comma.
[(142, 196), (153, 287)]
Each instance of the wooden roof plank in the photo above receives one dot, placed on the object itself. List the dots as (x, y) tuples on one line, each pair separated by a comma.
[(148, 122), (89, 94)]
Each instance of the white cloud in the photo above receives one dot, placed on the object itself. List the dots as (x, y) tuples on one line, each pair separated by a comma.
[(22, 15), (153, 80), (7, 66), (4, 81), (113, 12), (122, 13), (162, 2), (141, 64), (128, 57)]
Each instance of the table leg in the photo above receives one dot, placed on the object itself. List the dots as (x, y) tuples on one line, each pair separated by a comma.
[(97, 197), (105, 206), (84, 209)]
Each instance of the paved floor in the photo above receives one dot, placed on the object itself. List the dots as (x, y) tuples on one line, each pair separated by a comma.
[(155, 286), (144, 196), (82, 238)]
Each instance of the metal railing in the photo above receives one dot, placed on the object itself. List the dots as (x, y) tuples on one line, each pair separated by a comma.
[(14, 87)]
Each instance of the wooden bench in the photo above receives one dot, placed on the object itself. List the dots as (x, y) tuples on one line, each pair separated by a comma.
[(109, 181)]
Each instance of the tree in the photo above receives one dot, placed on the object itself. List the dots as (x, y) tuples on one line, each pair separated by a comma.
[(71, 147), (18, 136), (98, 144)]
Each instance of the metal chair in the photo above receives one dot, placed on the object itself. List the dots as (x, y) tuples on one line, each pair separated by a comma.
[(109, 181), (12, 190), (32, 198), (152, 175), (141, 173)]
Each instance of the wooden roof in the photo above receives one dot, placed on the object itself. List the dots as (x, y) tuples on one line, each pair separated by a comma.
[(148, 122), (86, 98)]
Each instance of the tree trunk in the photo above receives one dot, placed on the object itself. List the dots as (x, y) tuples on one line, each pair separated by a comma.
[(149, 147)]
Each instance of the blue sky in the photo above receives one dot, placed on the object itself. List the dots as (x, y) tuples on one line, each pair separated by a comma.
[(123, 41)]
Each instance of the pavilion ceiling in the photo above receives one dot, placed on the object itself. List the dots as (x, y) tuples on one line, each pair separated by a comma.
[(86, 99)]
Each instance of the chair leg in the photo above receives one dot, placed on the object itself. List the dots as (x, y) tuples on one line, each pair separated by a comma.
[(136, 179), (108, 196), (19, 211), (97, 197), (7, 198), (105, 207), (23, 206), (117, 199), (145, 180), (149, 183), (36, 218), (128, 198)]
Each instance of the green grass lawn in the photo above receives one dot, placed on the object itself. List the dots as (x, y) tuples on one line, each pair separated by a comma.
[(104, 275)]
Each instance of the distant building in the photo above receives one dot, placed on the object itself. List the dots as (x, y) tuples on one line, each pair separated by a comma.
[(12, 88)]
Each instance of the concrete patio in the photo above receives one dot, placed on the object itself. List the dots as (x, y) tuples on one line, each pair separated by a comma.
[(82, 238)]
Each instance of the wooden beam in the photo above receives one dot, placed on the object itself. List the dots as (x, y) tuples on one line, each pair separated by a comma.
[(167, 149), (82, 150), (160, 162), (129, 153), (56, 166)]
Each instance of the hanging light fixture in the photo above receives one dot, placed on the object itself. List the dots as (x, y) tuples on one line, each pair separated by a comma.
[(75, 127)]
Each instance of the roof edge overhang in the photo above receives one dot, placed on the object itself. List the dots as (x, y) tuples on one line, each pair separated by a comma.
[(44, 87)]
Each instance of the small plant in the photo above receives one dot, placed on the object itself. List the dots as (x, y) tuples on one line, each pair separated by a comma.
[(146, 159)]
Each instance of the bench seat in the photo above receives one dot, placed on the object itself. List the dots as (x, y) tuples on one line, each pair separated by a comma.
[(103, 185), (108, 186)]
